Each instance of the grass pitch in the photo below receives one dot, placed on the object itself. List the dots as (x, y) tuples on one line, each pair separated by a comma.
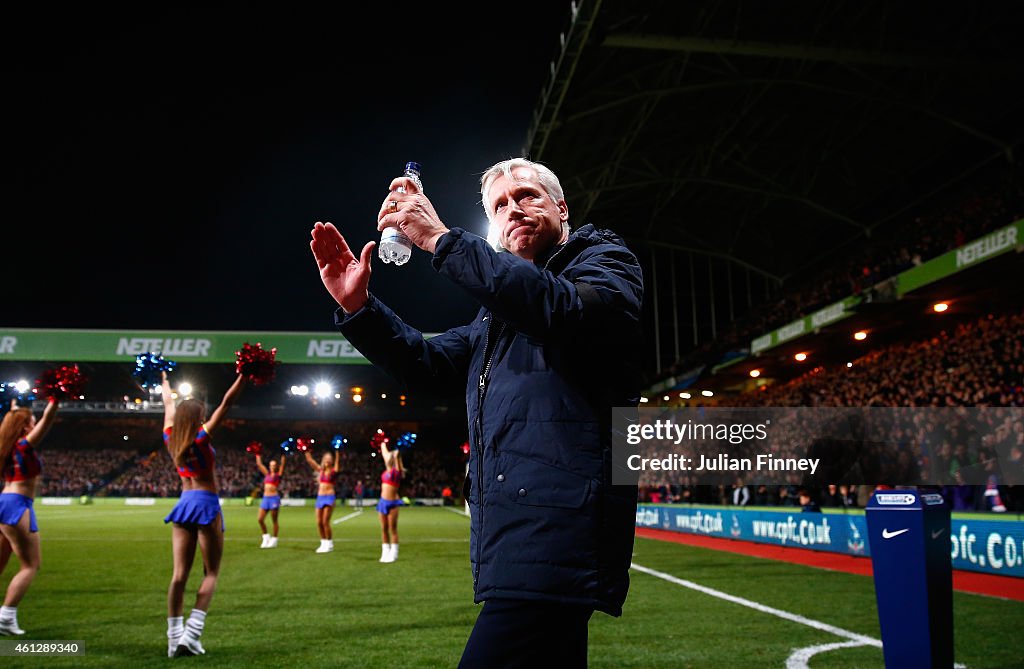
[(106, 569)]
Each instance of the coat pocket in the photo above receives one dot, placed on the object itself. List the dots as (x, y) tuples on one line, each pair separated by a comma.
[(533, 483)]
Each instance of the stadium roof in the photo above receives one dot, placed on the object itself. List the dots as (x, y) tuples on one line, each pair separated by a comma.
[(741, 145), (970, 296)]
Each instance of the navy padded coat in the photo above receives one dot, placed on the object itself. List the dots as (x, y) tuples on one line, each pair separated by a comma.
[(555, 346)]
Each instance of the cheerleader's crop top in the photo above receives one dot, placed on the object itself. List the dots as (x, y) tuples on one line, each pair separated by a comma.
[(23, 463), (391, 476), (198, 461)]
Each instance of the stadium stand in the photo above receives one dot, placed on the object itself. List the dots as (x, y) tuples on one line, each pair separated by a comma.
[(81, 460), (974, 364)]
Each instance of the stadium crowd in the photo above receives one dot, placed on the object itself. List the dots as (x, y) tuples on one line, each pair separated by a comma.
[(914, 390), (124, 457)]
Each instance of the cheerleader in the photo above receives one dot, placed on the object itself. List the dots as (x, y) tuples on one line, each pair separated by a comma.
[(271, 501), (20, 433), (197, 518), (325, 497), (389, 502)]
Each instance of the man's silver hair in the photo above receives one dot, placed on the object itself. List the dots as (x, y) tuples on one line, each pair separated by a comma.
[(545, 176)]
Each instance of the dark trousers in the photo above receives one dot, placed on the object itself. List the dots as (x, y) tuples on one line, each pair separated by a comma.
[(512, 633)]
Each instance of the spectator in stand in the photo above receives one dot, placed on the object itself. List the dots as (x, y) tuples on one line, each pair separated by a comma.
[(807, 502), (764, 496), (740, 493), (788, 495), (831, 496)]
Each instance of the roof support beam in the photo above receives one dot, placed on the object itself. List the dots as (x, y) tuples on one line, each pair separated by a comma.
[(773, 50), (704, 252), (584, 12), (695, 88)]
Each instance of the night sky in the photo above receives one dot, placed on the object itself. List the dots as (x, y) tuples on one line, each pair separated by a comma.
[(164, 165)]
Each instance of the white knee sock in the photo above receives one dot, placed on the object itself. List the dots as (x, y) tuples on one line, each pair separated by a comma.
[(9, 614), (195, 623), (175, 626)]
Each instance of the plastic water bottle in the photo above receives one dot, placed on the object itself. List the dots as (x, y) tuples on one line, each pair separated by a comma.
[(394, 245)]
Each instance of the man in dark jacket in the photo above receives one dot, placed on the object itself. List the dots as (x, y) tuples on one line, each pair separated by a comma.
[(554, 347)]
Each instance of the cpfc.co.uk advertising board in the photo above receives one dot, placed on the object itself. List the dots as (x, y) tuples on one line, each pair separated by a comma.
[(992, 546)]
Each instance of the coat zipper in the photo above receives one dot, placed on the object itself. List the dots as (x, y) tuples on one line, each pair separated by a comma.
[(481, 391)]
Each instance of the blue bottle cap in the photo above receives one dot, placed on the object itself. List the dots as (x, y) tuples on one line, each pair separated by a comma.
[(413, 167)]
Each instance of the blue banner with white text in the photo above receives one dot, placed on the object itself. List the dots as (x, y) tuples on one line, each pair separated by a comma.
[(990, 546)]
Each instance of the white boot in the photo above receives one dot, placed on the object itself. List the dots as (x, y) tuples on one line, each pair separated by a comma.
[(9, 621), (394, 552), (325, 546), (266, 541), (175, 628), (385, 553), (272, 542), (189, 644), (9, 627)]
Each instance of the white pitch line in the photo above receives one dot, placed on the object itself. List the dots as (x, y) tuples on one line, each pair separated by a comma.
[(816, 624), (800, 657), (344, 518), (458, 511), (49, 515)]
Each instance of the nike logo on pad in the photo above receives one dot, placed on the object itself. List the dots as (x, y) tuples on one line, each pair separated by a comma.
[(886, 534), (937, 533)]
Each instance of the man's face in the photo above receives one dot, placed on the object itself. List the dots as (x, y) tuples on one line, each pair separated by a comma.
[(528, 220)]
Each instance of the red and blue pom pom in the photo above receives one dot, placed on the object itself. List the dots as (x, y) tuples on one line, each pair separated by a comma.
[(405, 441), (302, 444), (149, 368), (338, 442), (61, 383), (254, 447), (378, 438), (288, 445), (256, 364)]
